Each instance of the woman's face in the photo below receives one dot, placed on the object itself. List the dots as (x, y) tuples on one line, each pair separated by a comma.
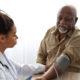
[(11, 38)]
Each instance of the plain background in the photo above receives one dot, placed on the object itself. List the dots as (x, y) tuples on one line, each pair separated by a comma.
[(32, 19)]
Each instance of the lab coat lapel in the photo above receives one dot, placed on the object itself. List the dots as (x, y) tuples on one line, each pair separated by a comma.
[(3, 60), (9, 65)]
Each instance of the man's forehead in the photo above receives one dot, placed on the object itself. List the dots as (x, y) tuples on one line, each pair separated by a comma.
[(67, 10)]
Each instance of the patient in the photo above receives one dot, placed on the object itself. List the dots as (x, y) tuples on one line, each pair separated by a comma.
[(60, 48)]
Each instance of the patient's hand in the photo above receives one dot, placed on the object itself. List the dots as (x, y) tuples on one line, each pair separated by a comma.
[(40, 78)]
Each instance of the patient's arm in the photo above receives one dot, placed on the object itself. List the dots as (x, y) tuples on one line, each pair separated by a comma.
[(60, 65)]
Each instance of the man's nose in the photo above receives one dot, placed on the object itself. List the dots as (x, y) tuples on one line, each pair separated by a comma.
[(62, 22)]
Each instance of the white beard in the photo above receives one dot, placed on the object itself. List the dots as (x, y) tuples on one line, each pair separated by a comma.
[(62, 30)]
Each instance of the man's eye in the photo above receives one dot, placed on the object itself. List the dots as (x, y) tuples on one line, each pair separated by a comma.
[(68, 19), (60, 18)]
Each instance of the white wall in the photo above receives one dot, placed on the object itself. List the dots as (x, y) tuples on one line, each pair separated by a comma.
[(32, 19)]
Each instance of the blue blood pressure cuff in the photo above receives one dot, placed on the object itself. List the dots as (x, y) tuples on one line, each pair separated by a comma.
[(62, 62)]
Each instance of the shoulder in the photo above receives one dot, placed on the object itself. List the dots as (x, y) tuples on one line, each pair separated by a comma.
[(76, 33), (50, 31), (75, 38)]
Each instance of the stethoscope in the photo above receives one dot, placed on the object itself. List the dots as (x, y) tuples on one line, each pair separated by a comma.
[(4, 65), (8, 68)]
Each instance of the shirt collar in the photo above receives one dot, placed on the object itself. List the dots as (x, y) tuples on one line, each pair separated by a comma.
[(56, 32)]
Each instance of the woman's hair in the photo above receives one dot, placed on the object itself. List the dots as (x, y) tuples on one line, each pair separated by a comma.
[(6, 23)]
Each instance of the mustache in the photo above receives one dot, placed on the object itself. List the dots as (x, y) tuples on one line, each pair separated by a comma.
[(63, 26)]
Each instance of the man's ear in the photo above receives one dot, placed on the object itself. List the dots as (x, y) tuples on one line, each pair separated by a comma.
[(2, 38), (76, 19)]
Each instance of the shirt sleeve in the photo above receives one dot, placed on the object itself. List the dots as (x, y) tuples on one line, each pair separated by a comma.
[(42, 54), (28, 70), (37, 68)]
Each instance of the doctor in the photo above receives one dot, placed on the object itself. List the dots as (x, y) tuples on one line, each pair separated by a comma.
[(8, 39)]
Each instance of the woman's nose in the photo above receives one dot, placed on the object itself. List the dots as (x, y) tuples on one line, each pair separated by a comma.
[(16, 37)]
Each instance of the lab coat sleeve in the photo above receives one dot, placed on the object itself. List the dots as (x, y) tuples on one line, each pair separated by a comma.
[(31, 69), (28, 70), (37, 68), (2, 75), (23, 72)]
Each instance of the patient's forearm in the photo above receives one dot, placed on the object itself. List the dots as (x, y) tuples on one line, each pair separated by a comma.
[(51, 73), (59, 66)]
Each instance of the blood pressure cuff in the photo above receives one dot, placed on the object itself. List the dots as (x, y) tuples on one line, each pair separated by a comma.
[(62, 62)]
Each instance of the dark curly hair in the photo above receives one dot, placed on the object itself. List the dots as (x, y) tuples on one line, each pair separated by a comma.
[(6, 23)]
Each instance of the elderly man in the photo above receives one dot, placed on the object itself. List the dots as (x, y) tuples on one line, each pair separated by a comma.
[(60, 48)]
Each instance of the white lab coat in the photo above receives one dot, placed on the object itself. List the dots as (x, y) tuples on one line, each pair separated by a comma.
[(16, 72)]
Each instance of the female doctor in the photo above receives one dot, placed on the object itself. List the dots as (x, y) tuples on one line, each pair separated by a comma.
[(8, 39)]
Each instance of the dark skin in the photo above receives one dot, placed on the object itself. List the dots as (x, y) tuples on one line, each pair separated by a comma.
[(66, 17)]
